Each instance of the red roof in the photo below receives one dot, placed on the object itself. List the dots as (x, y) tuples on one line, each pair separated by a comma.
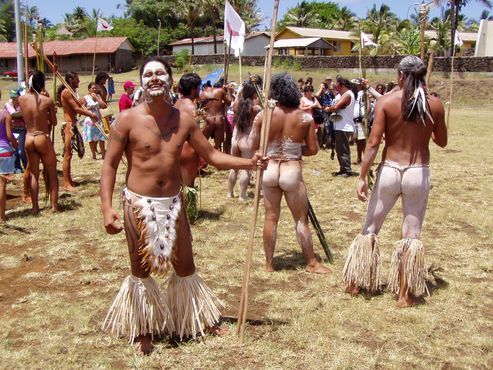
[(103, 45)]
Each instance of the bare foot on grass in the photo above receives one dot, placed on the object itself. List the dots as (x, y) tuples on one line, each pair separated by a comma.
[(143, 344), (217, 330), (69, 188), (317, 268), (269, 267), (353, 289), (26, 198), (408, 300)]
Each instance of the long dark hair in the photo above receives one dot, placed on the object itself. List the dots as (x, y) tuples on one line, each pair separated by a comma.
[(38, 81), (245, 105), (415, 106), (284, 90), (69, 76)]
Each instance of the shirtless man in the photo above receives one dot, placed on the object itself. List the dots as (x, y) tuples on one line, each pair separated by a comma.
[(408, 118), (189, 89), (39, 114), (71, 108), (291, 135), (152, 136), (215, 103)]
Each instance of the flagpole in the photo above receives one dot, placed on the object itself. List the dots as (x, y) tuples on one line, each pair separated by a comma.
[(360, 50), (451, 89), (26, 49), (239, 63), (94, 55), (226, 72)]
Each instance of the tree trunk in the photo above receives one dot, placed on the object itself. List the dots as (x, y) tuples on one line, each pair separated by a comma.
[(214, 33)]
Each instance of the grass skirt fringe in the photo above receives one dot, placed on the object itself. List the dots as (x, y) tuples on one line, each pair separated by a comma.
[(363, 265), (192, 304), (138, 309), (415, 271)]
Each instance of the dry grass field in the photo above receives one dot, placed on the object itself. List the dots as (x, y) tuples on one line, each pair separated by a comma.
[(60, 272)]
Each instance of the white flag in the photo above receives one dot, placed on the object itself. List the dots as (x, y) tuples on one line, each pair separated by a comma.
[(234, 29), (365, 40), (103, 25), (458, 41)]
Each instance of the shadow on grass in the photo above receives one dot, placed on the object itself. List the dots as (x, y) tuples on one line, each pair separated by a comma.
[(434, 281), (69, 205), (175, 341), (6, 227), (293, 261), (208, 215), (88, 181)]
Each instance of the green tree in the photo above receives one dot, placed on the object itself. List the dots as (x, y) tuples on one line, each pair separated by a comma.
[(190, 11), (7, 20), (301, 15), (379, 23), (344, 20)]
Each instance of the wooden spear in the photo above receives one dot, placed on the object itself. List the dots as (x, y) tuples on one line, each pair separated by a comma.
[(269, 106), (69, 88)]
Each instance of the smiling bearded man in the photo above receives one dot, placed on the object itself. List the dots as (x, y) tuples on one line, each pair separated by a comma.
[(152, 136)]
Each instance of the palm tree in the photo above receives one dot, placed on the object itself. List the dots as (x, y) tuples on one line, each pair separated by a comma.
[(345, 20), (249, 13), (190, 11), (455, 8), (31, 14), (379, 22), (301, 16), (213, 9), (441, 43)]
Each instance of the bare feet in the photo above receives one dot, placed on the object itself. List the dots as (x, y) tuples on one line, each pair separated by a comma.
[(230, 195), (408, 300), (217, 330), (26, 198), (143, 344), (353, 289), (269, 267), (317, 268), (242, 199), (69, 188)]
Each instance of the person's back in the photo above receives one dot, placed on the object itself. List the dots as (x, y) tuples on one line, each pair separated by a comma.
[(289, 123), (407, 142), (38, 112)]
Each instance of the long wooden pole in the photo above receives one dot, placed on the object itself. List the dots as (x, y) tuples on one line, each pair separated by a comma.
[(264, 138), (69, 88), (241, 74), (430, 68), (55, 68), (451, 89), (94, 56), (228, 58), (26, 50)]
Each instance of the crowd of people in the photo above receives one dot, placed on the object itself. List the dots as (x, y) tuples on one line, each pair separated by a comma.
[(164, 135)]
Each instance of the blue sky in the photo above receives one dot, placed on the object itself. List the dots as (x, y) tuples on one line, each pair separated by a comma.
[(55, 10)]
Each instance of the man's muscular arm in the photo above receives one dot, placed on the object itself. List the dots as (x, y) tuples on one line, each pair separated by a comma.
[(117, 144), (52, 114), (371, 150), (439, 134), (67, 96), (311, 142)]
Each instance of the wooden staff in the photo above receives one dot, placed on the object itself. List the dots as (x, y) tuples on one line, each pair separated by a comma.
[(430, 68), (69, 88), (451, 89), (264, 138), (55, 68)]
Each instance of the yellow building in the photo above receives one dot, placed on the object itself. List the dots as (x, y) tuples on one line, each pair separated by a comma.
[(341, 42), (469, 42)]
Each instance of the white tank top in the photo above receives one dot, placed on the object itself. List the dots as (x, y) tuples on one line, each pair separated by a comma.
[(346, 123)]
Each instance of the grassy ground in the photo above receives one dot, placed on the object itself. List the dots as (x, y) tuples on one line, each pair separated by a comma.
[(60, 272)]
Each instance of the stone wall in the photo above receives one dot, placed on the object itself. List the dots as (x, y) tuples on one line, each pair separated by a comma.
[(461, 64)]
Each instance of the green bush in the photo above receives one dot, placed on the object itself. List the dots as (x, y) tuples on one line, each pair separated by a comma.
[(181, 59), (286, 64), (297, 65)]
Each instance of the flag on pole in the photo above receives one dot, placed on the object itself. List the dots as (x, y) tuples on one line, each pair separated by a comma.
[(234, 28), (458, 41), (365, 41), (103, 25)]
